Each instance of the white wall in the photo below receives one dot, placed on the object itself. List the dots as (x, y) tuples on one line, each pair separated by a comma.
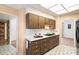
[(32, 32), (68, 33), (13, 29), (37, 12)]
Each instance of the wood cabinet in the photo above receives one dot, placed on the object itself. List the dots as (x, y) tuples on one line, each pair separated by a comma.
[(53, 41), (34, 48), (38, 22), (32, 21), (4, 32), (52, 24), (46, 21), (41, 22), (40, 47), (44, 45)]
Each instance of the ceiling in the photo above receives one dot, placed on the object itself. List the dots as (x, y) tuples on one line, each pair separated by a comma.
[(61, 8), (6, 16), (49, 8), (32, 6)]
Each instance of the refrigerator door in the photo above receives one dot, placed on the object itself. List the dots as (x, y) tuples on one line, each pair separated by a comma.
[(77, 36), (77, 33)]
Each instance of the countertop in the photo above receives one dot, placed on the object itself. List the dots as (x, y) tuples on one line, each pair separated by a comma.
[(31, 38)]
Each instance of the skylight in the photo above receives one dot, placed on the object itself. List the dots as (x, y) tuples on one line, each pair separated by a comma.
[(56, 8), (62, 8), (61, 12)]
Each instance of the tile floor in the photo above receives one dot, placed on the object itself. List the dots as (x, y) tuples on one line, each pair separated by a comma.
[(62, 50), (67, 41), (59, 50), (7, 50)]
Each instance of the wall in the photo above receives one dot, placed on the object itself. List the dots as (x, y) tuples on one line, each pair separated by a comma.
[(8, 10), (13, 29), (32, 32), (21, 31)]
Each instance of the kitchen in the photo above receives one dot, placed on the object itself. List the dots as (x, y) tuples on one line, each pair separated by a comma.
[(47, 32)]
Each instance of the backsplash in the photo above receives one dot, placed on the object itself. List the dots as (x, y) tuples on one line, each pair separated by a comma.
[(32, 32)]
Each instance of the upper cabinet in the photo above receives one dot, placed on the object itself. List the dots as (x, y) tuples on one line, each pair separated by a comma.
[(52, 24), (47, 21), (41, 22), (38, 22), (32, 21)]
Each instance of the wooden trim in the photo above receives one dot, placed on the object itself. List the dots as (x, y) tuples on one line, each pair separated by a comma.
[(8, 32)]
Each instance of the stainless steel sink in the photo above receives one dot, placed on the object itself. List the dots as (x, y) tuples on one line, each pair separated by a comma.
[(48, 34), (38, 36)]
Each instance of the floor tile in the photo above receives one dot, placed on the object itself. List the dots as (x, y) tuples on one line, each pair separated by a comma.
[(62, 50), (7, 50)]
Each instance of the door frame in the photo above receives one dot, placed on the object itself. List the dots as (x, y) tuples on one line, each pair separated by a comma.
[(20, 14)]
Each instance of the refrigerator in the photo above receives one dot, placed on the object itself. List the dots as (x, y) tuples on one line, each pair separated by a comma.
[(77, 36)]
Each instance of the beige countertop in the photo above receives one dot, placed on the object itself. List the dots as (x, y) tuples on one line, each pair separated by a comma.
[(31, 38)]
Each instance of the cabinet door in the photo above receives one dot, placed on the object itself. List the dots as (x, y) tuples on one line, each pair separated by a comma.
[(2, 32), (44, 45), (35, 50), (46, 21), (34, 47), (41, 22), (33, 21), (54, 41), (27, 20), (52, 24)]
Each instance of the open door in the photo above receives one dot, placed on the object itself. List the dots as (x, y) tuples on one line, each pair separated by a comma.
[(4, 32)]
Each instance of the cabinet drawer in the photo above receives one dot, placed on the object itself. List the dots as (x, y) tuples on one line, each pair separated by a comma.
[(35, 47), (35, 43), (45, 40)]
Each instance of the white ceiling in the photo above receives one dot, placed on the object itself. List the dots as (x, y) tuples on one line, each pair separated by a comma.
[(50, 8), (6, 16), (34, 6), (61, 8)]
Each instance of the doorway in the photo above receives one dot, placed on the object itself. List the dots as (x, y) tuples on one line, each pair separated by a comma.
[(8, 33), (68, 32), (4, 32)]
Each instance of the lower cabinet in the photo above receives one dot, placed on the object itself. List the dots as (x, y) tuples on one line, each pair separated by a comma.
[(39, 47), (44, 45)]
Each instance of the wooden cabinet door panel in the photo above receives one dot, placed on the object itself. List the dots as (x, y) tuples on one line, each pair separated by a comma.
[(44, 45), (36, 51), (46, 21), (41, 22), (52, 24), (35, 47), (33, 21)]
